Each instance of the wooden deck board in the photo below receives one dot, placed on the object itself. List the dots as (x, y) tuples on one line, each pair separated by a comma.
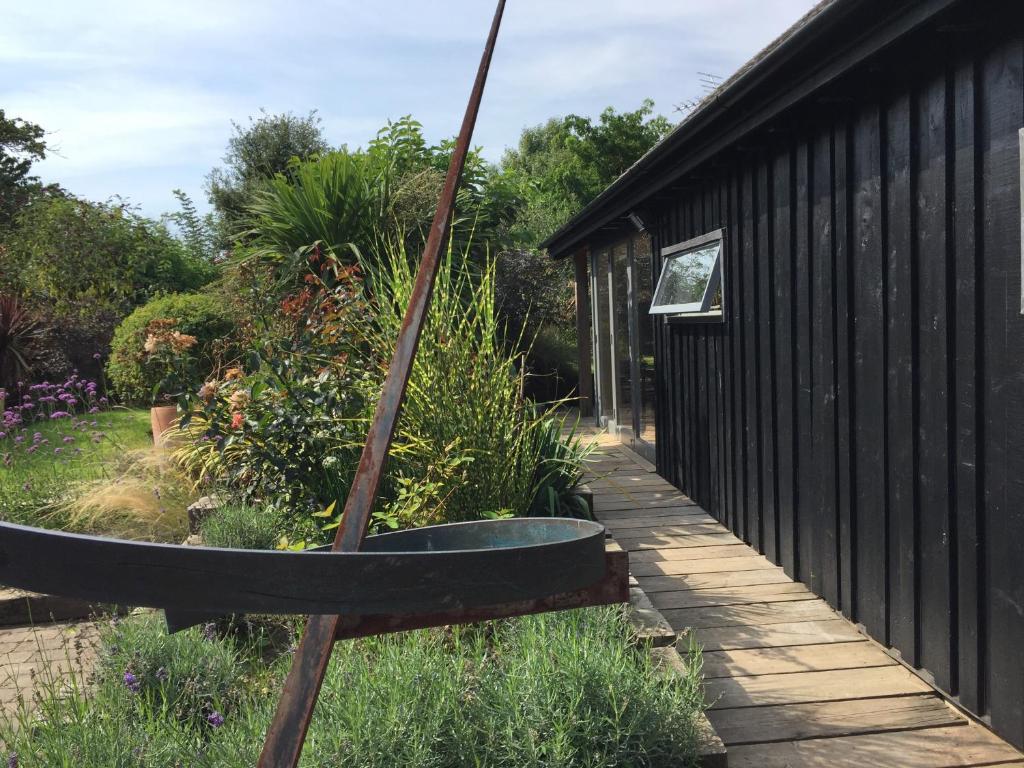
[(790, 722), (804, 687), (808, 658), (953, 747), (674, 568), (759, 614), (706, 598), (792, 683), (653, 584)]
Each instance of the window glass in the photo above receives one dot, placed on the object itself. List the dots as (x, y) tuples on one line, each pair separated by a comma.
[(684, 279)]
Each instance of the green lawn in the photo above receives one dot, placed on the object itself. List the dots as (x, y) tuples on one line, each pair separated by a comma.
[(80, 457)]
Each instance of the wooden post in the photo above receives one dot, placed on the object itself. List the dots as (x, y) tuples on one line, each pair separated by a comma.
[(585, 388)]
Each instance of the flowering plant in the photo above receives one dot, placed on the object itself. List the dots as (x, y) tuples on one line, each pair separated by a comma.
[(167, 353)]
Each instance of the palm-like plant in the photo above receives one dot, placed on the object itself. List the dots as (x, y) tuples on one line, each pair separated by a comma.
[(19, 330)]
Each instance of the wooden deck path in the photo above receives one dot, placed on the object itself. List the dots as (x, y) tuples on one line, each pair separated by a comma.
[(790, 682)]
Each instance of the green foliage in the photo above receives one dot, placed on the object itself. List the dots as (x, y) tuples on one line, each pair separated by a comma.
[(255, 154), (31, 483), (21, 144), (182, 678), (333, 203), (571, 689), (135, 373), (468, 444), (198, 233), (563, 164), (241, 526), (464, 408), (78, 257)]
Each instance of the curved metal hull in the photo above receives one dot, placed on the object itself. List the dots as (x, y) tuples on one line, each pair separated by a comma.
[(425, 570)]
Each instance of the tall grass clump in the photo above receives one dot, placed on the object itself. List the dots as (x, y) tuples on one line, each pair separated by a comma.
[(465, 410)]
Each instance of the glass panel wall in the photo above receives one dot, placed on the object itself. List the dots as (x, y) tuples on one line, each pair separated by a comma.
[(621, 329), (603, 337), (643, 276)]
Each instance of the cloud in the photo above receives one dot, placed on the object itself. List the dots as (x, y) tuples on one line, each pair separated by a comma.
[(139, 97)]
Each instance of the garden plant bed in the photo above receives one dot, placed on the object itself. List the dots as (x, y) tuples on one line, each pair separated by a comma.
[(566, 689)]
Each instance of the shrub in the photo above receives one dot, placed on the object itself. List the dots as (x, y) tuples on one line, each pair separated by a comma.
[(19, 331), (136, 373), (468, 445), (64, 251), (240, 526)]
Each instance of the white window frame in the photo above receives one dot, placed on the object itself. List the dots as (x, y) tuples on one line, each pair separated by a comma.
[(702, 307)]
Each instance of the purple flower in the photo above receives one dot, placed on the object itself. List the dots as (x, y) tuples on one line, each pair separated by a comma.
[(59, 415), (3, 435), (210, 631), (57, 451), (69, 439), (31, 449), (162, 674), (97, 356), (132, 682), (94, 409), (215, 718), (12, 760), (19, 439)]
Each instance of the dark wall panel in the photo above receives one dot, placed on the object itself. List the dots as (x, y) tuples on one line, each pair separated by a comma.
[(859, 416)]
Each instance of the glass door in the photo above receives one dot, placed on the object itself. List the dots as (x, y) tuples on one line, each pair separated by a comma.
[(643, 279), (623, 339)]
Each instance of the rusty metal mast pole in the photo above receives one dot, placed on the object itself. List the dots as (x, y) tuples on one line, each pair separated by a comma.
[(287, 733)]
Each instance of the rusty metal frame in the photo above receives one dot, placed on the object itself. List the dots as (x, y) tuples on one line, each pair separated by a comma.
[(284, 741)]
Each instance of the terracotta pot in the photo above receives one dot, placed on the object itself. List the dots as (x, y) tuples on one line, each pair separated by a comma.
[(161, 418)]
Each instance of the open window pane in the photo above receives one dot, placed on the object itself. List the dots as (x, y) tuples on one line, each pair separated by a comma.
[(688, 280)]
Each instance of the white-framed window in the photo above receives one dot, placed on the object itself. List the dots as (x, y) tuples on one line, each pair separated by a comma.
[(691, 277)]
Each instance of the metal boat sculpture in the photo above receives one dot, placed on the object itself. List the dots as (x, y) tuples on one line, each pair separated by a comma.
[(359, 585), (441, 568)]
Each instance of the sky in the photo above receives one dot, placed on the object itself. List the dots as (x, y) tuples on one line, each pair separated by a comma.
[(137, 98)]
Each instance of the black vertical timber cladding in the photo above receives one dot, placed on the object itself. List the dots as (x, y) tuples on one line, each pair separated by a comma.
[(859, 415), (806, 462), (900, 335), (969, 533), (766, 361), (822, 471), (1002, 452), (843, 317), (752, 409), (785, 362), (935, 497)]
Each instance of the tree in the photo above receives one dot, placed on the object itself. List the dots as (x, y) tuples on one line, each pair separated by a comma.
[(556, 169), (197, 233), (256, 153), (563, 164), (74, 256), (21, 144)]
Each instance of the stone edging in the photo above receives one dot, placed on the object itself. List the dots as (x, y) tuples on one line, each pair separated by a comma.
[(652, 629)]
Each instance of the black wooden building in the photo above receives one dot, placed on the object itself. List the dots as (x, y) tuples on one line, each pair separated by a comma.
[(834, 365)]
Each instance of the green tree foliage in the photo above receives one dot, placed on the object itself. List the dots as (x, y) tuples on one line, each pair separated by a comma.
[(557, 168), (563, 164), (256, 153), (350, 206), (21, 144), (197, 233), (74, 256)]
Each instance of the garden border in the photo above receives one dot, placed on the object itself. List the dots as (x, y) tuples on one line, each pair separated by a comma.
[(652, 628)]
